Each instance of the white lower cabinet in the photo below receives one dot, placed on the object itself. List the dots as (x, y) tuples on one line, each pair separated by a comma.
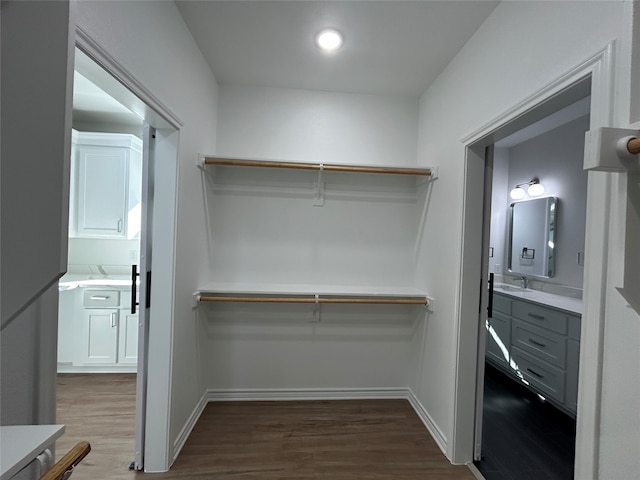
[(100, 334), (538, 346), (128, 338)]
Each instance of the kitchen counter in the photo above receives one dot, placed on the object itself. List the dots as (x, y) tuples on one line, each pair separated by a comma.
[(71, 281), (569, 304)]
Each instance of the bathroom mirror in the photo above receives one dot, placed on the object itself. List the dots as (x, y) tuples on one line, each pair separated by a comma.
[(532, 235)]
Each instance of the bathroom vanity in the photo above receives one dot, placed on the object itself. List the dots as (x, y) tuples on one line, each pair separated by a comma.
[(534, 337)]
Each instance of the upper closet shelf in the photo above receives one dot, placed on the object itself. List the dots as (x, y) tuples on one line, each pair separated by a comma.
[(312, 294), (205, 160)]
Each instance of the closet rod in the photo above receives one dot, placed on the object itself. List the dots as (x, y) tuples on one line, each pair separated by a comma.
[(310, 166), (633, 146), (375, 301)]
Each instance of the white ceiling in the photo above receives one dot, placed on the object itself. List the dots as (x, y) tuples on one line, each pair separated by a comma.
[(392, 47)]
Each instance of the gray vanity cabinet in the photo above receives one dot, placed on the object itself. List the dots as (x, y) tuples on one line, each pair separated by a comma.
[(542, 345), (499, 332)]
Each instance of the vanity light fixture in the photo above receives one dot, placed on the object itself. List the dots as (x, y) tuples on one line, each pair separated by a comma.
[(534, 189), (329, 40)]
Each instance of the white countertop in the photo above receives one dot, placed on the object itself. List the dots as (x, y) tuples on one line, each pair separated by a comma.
[(21, 444), (569, 304), (71, 281)]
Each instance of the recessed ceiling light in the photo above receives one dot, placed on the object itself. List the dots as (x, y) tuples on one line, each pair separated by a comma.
[(329, 40)]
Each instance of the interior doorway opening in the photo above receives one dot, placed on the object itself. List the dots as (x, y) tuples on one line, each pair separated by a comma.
[(535, 261), (118, 166)]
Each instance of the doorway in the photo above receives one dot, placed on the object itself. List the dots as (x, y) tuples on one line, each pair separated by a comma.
[(158, 173), (535, 263), (594, 76), (100, 323)]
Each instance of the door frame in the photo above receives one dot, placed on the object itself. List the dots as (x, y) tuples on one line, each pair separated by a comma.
[(122, 85), (599, 69)]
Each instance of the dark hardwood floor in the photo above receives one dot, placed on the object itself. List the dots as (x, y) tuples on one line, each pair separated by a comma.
[(343, 440), (523, 437)]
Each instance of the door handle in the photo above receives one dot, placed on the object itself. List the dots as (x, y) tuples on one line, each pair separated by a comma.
[(490, 303), (134, 278)]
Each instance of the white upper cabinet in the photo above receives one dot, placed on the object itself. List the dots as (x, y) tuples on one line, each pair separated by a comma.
[(106, 185)]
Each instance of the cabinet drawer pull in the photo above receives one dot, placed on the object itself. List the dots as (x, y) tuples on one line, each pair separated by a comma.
[(113, 320), (533, 372), (537, 317), (100, 297), (536, 343)]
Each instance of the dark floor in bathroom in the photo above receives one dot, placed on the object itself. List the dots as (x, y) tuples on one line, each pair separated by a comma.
[(524, 438)]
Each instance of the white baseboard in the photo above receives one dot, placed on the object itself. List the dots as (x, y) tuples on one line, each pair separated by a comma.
[(435, 432), (305, 394), (181, 439), (70, 368)]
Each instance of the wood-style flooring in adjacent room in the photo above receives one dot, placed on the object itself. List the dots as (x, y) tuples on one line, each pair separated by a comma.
[(346, 439), (523, 437)]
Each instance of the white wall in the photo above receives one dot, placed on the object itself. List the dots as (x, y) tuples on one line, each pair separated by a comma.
[(364, 235), (34, 202), (556, 158), (35, 172), (317, 126), (521, 48), (150, 40)]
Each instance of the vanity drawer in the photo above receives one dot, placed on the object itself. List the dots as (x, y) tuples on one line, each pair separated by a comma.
[(541, 316), (502, 303), (548, 379), (544, 344), (101, 298)]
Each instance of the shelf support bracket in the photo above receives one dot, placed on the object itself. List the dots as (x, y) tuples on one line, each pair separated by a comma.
[(318, 199), (316, 309)]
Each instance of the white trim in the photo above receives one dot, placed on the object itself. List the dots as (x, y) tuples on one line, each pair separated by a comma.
[(475, 472), (601, 68), (67, 368), (266, 394), (120, 73), (182, 437), (437, 434), (160, 371)]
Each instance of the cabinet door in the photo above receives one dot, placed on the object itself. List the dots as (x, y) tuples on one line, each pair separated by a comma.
[(128, 338), (102, 191), (499, 339), (101, 336)]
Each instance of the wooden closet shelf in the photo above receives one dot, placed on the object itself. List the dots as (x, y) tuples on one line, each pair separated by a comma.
[(311, 294), (293, 299), (328, 167)]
